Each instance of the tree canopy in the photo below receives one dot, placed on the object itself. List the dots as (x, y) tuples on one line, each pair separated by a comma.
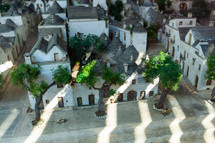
[(61, 75), (116, 9), (210, 73), (4, 7), (80, 45), (2, 82), (25, 75), (162, 4), (169, 73)]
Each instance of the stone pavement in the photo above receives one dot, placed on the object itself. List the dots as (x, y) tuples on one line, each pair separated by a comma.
[(190, 120), (154, 47)]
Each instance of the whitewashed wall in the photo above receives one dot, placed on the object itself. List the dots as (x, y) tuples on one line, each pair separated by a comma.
[(102, 3), (87, 27), (16, 19), (39, 56)]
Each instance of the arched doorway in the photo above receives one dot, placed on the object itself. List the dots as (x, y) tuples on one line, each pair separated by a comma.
[(132, 95), (173, 51), (196, 82), (183, 6)]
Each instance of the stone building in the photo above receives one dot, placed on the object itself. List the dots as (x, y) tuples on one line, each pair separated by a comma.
[(49, 54), (86, 20), (190, 46)]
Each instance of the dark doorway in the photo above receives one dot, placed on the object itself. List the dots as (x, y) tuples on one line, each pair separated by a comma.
[(173, 52), (60, 102), (91, 99), (151, 93), (79, 100), (197, 80), (142, 94), (120, 97), (183, 68), (188, 71), (132, 95)]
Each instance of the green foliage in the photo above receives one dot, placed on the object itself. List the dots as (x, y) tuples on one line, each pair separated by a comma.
[(2, 82), (199, 9), (111, 92), (81, 45), (116, 10), (24, 74), (210, 73), (61, 75), (162, 4), (152, 31), (4, 7), (88, 74), (110, 77), (38, 89), (162, 66)]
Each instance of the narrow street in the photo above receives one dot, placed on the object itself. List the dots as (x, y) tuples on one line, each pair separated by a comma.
[(14, 100)]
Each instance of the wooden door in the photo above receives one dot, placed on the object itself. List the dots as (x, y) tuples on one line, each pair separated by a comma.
[(91, 99), (79, 100), (132, 95), (120, 97), (173, 51), (60, 102)]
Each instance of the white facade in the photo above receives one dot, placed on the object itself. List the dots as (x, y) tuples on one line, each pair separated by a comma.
[(87, 26), (102, 3), (139, 40), (193, 65), (178, 5)]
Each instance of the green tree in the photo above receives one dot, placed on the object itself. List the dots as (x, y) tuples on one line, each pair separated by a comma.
[(162, 4), (83, 44), (2, 82), (152, 31), (25, 75), (4, 7), (90, 75), (169, 73), (61, 75), (199, 9), (116, 9), (210, 73)]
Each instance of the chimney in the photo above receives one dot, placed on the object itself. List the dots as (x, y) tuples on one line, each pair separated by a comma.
[(124, 25), (164, 20), (132, 58), (116, 34), (108, 64), (189, 15), (106, 38), (125, 67), (27, 59), (120, 48)]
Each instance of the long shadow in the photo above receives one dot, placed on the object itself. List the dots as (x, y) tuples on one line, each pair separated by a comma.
[(195, 126)]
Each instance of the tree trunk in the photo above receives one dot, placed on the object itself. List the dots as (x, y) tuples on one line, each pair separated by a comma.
[(162, 98), (37, 108), (213, 93)]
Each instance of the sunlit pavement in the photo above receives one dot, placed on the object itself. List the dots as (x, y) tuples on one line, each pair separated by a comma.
[(126, 122)]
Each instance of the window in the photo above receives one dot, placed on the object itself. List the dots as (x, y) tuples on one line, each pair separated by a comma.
[(194, 61), (209, 82), (47, 101), (191, 23), (187, 55), (134, 81), (124, 36), (184, 55), (177, 48), (199, 67), (180, 22)]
